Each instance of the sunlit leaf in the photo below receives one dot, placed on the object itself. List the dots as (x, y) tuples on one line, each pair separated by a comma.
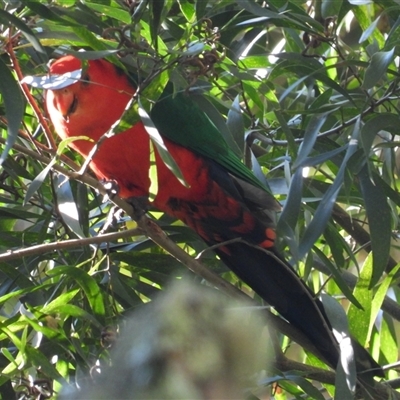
[(66, 205), (88, 284), (159, 144), (359, 320), (113, 12), (346, 376)]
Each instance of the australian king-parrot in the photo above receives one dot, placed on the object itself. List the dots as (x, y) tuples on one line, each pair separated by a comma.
[(221, 201)]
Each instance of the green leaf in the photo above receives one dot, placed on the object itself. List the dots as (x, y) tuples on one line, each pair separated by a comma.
[(310, 136), (377, 123), (307, 69), (95, 43), (13, 104), (40, 361), (66, 204), (235, 123), (388, 341), (70, 310), (187, 9), (324, 210), (291, 210), (338, 278), (254, 8), (8, 18), (110, 11), (363, 15), (330, 8), (379, 219), (201, 6), (346, 374), (6, 353), (370, 30), (9, 270), (158, 142), (60, 300), (379, 297), (156, 9), (380, 62), (359, 320), (87, 283), (38, 181)]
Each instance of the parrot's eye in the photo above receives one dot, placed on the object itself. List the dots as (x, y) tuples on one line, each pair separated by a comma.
[(85, 79), (73, 106)]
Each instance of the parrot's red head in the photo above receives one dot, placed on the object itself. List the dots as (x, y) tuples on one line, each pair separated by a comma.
[(90, 106)]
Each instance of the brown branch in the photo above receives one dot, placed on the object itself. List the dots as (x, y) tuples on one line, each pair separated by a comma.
[(380, 391), (67, 244), (31, 100), (157, 235), (284, 364)]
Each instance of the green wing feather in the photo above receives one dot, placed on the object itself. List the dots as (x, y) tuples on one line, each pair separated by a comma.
[(181, 120)]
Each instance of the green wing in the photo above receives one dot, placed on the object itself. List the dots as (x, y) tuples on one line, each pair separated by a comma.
[(181, 120)]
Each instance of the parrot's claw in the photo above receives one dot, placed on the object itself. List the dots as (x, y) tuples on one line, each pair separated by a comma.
[(111, 188)]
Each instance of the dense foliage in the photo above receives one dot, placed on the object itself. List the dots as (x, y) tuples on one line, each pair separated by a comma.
[(306, 92)]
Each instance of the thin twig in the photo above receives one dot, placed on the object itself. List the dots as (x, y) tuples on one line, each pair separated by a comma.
[(67, 244), (31, 100), (332, 131)]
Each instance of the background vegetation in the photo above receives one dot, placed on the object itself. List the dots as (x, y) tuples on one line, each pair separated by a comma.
[(306, 92)]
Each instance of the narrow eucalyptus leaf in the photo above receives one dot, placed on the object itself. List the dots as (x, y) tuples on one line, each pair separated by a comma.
[(379, 219), (13, 104), (235, 122), (378, 122), (291, 208), (37, 182), (53, 82), (378, 66), (369, 31), (310, 136), (158, 142), (66, 205)]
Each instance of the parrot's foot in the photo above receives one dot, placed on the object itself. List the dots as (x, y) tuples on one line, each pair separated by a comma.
[(140, 206), (111, 188)]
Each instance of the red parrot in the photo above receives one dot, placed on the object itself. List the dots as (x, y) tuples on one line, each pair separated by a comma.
[(222, 200)]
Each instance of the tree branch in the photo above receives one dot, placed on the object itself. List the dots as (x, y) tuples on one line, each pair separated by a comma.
[(68, 244)]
